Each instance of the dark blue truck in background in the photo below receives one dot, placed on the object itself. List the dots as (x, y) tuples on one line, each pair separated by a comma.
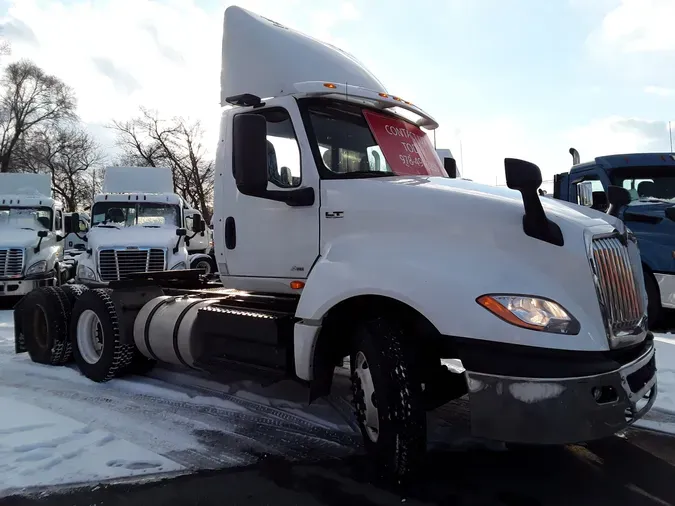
[(650, 180)]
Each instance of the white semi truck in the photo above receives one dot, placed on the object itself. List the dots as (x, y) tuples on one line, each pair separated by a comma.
[(136, 226), (337, 234), (31, 234)]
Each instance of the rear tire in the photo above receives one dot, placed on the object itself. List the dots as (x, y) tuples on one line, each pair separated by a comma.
[(44, 322), (388, 400), (73, 292), (95, 334)]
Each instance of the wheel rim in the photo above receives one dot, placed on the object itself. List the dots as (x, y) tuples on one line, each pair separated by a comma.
[(204, 266), (40, 330), (369, 414), (89, 336)]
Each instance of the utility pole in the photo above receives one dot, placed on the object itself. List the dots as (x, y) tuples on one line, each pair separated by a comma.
[(670, 135)]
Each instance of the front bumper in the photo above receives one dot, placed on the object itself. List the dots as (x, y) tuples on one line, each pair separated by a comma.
[(20, 287), (666, 284), (562, 410)]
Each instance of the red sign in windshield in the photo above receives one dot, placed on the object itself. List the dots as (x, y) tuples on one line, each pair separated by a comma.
[(406, 147)]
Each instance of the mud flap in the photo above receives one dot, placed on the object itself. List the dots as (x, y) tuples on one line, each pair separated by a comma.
[(19, 344)]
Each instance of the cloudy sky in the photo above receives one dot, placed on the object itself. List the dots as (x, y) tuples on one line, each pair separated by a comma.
[(520, 78)]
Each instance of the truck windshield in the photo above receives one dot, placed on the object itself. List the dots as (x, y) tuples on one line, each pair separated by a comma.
[(29, 218), (355, 141), (647, 183), (129, 214)]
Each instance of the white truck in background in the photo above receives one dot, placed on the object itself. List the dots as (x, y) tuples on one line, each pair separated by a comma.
[(338, 234), (200, 245), (31, 234), (137, 225)]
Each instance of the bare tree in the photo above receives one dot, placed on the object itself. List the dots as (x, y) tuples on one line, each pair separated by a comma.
[(69, 154), (177, 143), (29, 97)]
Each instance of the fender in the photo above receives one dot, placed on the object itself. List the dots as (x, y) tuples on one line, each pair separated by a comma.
[(441, 275), (198, 256)]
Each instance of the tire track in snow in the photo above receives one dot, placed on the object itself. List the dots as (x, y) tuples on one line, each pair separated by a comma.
[(258, 429)]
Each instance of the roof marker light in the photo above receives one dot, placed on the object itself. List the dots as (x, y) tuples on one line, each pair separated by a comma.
[(383, 95), (330, 85)]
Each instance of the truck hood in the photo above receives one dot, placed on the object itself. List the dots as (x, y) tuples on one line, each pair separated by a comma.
[(99, 237), (453, 200), (18, 238), (649, 209)]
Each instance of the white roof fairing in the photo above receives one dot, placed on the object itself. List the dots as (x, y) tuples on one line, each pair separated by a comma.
[(17, 184), (266, 59), (137, 180)]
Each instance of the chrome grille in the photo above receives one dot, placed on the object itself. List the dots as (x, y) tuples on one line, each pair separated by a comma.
[(11, 262), (115, 264), (618, 289)]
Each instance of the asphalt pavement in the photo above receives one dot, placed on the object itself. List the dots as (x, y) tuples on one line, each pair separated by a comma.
[(637, 469)]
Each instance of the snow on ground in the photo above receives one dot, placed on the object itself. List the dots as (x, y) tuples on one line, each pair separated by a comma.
[(58, 428)]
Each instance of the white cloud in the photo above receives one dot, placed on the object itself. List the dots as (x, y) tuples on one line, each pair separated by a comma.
[(119, 54), (661, 91), (637, 26), (617, 134), (482, 147)]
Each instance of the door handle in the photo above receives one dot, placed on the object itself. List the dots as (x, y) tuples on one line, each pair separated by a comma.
[(230, 233)]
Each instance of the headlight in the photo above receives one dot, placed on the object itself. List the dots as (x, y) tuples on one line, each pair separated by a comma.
[(532, 313), (84, 272), (178, 266), (37, 267)]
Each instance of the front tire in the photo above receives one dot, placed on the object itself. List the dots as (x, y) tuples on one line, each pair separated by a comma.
[(206, 265), (95, 334), (388, 399)]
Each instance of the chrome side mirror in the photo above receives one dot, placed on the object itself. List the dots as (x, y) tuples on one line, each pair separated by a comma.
[(585, 193)]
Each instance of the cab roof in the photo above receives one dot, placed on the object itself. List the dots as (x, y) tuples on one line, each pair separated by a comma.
[(631, 160)]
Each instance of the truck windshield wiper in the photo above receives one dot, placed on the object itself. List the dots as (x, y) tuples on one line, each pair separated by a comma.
[(655, 199), (367, 173), (27, 228)]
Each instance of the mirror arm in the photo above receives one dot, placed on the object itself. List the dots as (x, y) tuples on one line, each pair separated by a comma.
[(37, 248), (175, 248), (83, 238)]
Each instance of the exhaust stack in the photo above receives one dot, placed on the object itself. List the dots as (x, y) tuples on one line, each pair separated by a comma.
[(575, 156)]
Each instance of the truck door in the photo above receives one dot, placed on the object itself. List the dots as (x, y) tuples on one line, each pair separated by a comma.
[(264, 238)]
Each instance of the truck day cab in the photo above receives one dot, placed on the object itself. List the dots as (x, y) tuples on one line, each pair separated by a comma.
[(134, 226), (336, 228), (648, 181), (31, 234)]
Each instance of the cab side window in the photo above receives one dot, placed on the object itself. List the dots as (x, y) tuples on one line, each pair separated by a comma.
[(283, 150), (58, 224)]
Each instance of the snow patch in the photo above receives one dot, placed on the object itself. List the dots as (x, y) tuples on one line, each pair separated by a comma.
[(531, 392), (60, 450)]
